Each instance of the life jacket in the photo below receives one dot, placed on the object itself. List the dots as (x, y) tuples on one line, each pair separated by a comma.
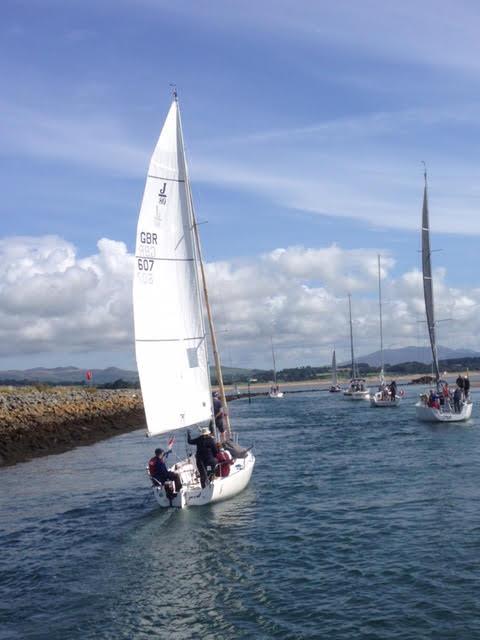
[(152, 466), (225, 462)]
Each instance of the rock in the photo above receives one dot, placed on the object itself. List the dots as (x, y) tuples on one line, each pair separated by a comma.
[(34, 422)]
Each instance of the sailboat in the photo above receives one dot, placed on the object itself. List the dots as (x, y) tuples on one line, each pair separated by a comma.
[(357, 389), (437, 406), (384, 397), (335, 388), (274, 389), (169, 299)]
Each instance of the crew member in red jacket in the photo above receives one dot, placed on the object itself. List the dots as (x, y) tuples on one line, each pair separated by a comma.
[(225, 460)]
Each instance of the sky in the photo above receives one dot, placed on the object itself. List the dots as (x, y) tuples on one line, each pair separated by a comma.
[(306, 124)]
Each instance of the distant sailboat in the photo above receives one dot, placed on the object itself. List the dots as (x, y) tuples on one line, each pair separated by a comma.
[(335, 388), (169, 298), (386, 395), (274, 389), (357, 389), (436, 407)]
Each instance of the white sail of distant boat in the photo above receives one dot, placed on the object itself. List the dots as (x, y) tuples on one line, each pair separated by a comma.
[(169, 298), (335, 387), (436, 406), (386, 396), (274, 389), (357, 388)]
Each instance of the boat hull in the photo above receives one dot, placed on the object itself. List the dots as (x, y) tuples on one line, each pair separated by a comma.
[(429, 414), (192, 494), (377, 401), (277, 394), (356, 395), (335, 389)]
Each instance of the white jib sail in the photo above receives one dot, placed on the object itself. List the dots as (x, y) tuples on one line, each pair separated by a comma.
[(170, 337)]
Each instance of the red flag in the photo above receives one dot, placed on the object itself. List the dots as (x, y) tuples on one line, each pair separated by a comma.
[(88, 375)]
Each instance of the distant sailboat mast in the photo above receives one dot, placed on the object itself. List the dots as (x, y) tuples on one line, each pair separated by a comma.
[(334, 370), (382, 372), (427, 280), (274, 364), (354, 373)]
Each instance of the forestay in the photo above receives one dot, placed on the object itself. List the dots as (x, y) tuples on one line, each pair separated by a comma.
[(170, 335)]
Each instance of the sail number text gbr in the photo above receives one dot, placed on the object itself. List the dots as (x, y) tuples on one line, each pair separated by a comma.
[(145, 261)]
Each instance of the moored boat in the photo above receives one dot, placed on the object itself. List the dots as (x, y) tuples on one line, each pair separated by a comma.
[(387, 395), (274, 392), (335, 387), (357, 388)]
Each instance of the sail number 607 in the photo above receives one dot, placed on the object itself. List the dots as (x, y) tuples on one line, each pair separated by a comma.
[(144, 264)]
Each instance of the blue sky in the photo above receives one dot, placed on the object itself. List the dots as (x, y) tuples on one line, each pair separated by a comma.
[(305, 125)]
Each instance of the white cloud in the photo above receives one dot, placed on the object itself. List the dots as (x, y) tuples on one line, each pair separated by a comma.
[(53, 302)]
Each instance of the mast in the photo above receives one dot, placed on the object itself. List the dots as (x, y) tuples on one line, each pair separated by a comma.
[(351, 335), (381, 322), (213, 337), (274, 365), (334, 370), (427, 280)]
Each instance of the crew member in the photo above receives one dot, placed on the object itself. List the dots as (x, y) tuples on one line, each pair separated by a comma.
[(206, 453), (224, 459), (159, 472), (218, 414)]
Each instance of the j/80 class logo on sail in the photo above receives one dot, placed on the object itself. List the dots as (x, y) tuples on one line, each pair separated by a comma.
[(162, 196)]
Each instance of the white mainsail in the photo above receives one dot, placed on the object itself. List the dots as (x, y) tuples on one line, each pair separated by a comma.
[(382, 369), (354, 368), (170, 338), (427, 280), (274, 363), (334, 370)]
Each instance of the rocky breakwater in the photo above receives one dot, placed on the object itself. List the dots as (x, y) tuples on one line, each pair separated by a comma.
[(36, 422)]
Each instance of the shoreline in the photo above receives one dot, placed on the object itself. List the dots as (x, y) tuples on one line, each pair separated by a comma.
[(36, 422)]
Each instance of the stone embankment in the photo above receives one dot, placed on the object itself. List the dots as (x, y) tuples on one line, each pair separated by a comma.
[(36, 422)]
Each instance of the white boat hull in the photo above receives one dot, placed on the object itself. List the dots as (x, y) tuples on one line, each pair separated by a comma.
[(276, 394), (377, 401), (335, 389), (192, 494), (356, 395), (429, 414)]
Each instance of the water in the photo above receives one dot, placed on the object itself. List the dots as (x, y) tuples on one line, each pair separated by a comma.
[(359, 523)]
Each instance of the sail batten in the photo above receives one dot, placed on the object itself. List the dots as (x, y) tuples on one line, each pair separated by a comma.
[(170, 336), (427, 280)]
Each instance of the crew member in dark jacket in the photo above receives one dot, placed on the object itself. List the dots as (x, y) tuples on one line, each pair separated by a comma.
[(466, 386), (158, 470), (206, 453), (457, 397), (393, 390), (218, 413)]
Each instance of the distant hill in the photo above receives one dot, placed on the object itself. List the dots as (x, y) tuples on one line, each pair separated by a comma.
[(74, 375), (414, 354), (68, 375)]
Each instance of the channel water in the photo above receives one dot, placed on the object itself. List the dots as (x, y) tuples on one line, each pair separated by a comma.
[(358, 523)]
